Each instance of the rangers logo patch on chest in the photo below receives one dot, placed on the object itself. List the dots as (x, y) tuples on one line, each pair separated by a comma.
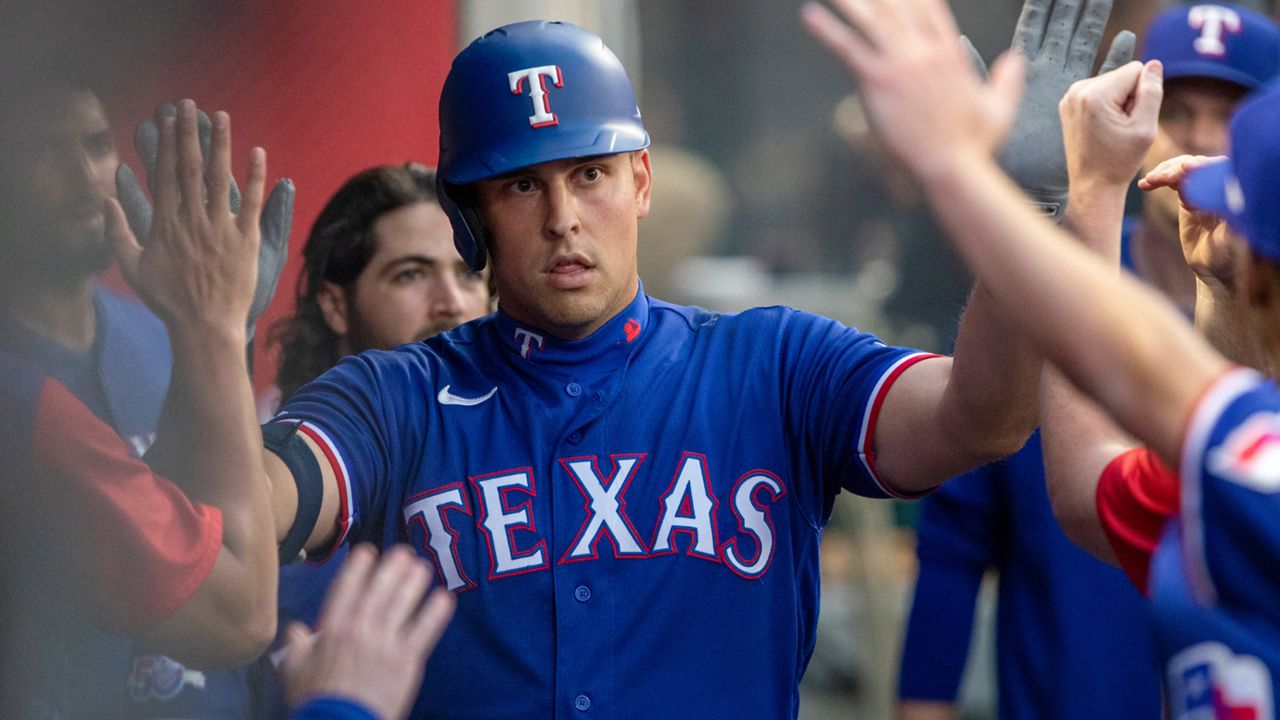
[(1208, 681)]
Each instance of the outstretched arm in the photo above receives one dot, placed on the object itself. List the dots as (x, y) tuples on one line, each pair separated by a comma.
[(979, 405), (1115, 339), (1106, 134), (198, 274)]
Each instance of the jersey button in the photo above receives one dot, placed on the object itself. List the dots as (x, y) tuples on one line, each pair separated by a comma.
[(582, 703), (575, 437), (582, 593), (573, 389)]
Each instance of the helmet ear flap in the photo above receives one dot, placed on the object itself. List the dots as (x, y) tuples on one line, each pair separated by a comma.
[(458, 203)]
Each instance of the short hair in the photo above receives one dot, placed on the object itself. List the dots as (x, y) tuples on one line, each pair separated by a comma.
[(340, 245)]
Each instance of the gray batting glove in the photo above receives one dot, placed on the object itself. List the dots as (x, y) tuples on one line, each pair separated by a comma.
[(1059, 39), (277, 213)]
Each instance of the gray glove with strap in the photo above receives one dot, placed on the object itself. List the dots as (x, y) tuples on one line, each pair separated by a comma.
[(277, 213), (1060, 40)]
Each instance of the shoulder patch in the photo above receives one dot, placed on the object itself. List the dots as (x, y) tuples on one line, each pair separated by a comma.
[(1250, 454)]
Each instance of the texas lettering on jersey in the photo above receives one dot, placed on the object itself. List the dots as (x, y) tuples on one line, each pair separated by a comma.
[(687, 510)]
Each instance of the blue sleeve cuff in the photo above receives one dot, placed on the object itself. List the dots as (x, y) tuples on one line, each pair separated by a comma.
[(332, 708)]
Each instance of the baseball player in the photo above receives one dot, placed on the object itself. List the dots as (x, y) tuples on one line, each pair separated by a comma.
[(1139, 358), (625, 494), (1213, 54), (380, 270), (1056, 603), (114, 357)]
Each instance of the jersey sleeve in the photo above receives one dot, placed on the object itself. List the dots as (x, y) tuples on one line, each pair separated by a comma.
[(835, 383), (362, 415), (1137, 495), (133, 537), (1231, 494), (956, 535)]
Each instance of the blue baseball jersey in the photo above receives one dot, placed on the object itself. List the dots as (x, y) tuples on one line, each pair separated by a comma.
[(1074, 638), (1213, 575), (631, 521), (122, 380)]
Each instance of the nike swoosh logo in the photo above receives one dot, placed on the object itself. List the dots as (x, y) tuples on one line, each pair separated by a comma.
[(444, 397)]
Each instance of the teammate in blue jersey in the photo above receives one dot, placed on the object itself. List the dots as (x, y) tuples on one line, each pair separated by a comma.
[(1116, 340), (999, 517), (625, 494), (1213, 54)]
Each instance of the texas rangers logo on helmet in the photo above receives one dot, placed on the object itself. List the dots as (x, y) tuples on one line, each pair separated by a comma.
[(537, 77), (1213, 21)]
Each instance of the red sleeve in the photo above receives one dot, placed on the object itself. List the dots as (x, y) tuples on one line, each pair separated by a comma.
[(1137, 494), (140, 547)]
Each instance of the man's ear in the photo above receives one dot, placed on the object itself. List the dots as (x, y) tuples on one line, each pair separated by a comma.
[(332, 299), (643, 175)]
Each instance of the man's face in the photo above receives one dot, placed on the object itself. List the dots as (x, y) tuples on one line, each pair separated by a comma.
[(1194, 119), (70, 172), (415, 285), (563, 239)]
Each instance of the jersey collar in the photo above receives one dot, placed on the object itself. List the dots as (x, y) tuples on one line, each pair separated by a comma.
[(611, 344)]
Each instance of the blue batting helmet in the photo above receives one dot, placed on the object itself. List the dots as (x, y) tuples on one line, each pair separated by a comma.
[(525, 94)]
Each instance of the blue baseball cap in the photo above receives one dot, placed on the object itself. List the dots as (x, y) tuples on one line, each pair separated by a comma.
[(1243, 188), (1219, 40)]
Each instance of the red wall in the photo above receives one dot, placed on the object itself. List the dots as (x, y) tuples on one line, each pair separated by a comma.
[(327, 88)]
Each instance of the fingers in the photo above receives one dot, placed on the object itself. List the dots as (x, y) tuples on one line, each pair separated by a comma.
[(137, 208), (123, 242), (1173, 171), (299, 640), (979, 66), (398, 586), (1148, 96), (348, 585), (1008, 75), (146, 139), (428, 625), (1088, 37), (277, 216), (190, 161), (218, 172), (251, 204), (1062, 26), (837, 36), (164, 176), (1120, 53), (1032, 23)]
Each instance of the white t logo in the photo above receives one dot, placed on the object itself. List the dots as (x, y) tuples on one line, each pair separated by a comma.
[(1211, 21), (527, 340), (537, 76)]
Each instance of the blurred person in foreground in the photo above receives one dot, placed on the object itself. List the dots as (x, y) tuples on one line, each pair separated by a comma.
[(1067, 611), (115, 575), (1207, 560)]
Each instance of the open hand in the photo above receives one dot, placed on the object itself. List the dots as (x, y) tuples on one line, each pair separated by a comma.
[(198, 270), (1208, 245), (923, 97)]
